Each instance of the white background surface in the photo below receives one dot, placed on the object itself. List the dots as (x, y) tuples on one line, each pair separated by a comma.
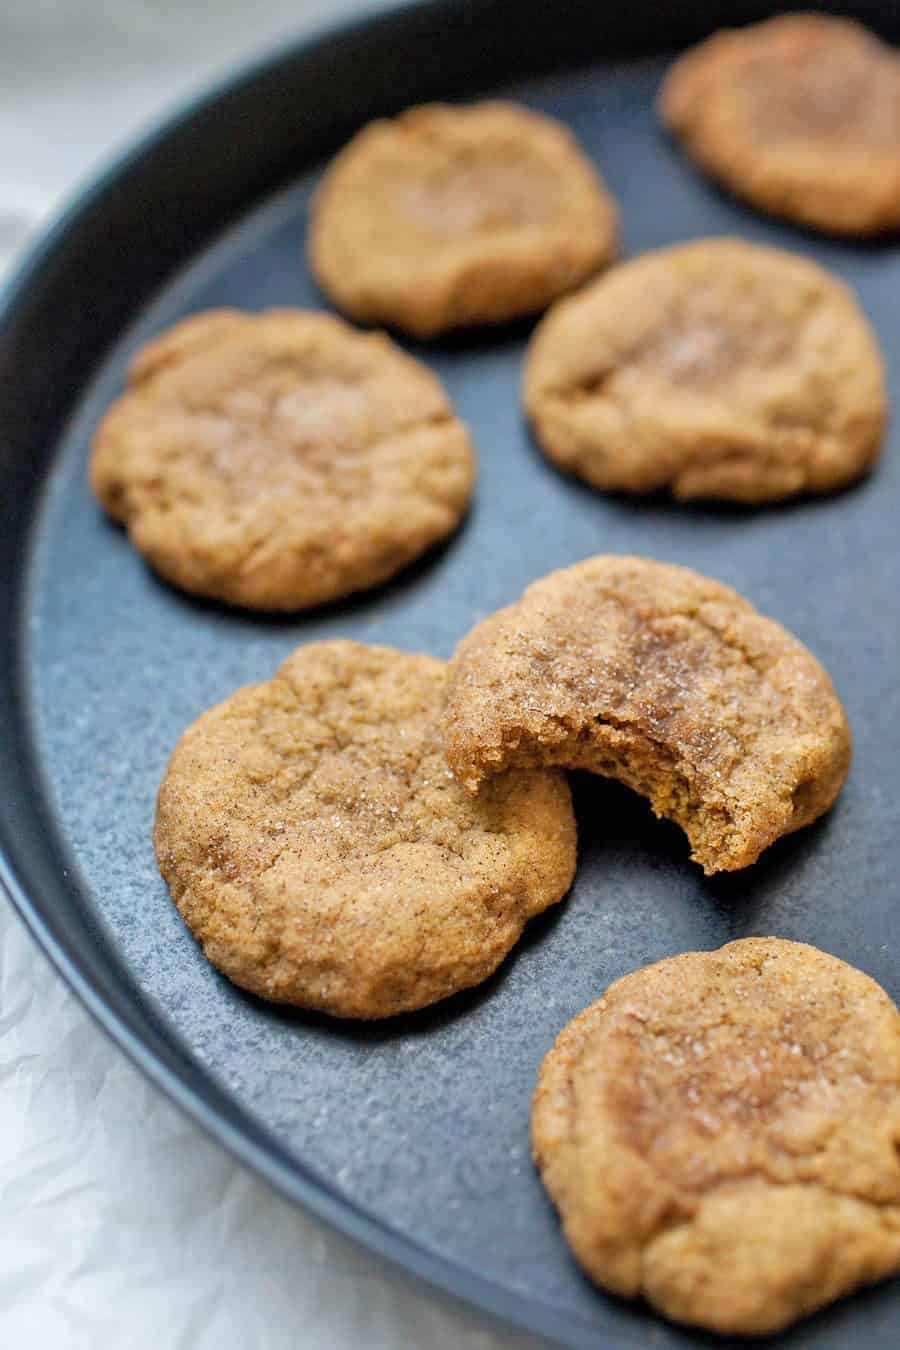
[(122, 1225)]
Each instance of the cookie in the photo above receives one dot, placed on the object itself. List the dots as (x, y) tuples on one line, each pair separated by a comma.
[(800, 115), (715, 369), (318, 848), (280, 460), (720, 1133), (661, 678), (450, 216)]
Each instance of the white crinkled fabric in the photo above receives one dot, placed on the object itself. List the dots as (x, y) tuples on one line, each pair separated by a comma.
[(123, 1225)]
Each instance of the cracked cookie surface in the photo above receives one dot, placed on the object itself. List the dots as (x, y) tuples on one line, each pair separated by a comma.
[(800, 115), (720, 1133), (716, 369), (449, 216), (280, 460), (664, 679), (321, 852)]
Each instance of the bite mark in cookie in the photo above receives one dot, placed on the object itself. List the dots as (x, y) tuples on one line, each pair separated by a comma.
[(661, 678)]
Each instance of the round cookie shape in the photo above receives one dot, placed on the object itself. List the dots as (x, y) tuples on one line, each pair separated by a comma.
[(664, 679), (716, 369), (321, 852), (449, 216), (280, 460), (800, 115), (720, 1133)]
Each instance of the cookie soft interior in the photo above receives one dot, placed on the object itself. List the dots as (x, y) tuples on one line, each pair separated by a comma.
[(665, 680)]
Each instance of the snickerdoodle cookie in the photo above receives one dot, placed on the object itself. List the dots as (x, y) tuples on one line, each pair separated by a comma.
[(282, 459), (720, 1133), (716, 369), (661, 678), (448, 216), (321, 852), (800, 115)]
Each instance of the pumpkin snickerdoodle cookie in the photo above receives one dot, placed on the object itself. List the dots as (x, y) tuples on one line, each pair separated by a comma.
[(720, 1133), (448, 216), (800, 115), (717, 369), (321, 852), (664, 679), (282, 459)]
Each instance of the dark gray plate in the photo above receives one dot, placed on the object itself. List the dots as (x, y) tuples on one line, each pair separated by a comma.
[(412, 1136)]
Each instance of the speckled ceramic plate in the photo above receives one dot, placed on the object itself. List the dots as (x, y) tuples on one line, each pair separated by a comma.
[(411, 1136)]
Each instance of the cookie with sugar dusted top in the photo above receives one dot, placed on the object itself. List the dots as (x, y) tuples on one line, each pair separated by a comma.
[(321, 852), (716, 369), (720, 1133), (449, 216), (280, 460), (664, 679), (800, 115)]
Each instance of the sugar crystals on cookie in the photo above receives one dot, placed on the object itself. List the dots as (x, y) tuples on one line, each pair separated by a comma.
[(321, 852), (664, 679), (800, 115), (450, 216), (716, 369), (280, 460), (720, 1134)]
